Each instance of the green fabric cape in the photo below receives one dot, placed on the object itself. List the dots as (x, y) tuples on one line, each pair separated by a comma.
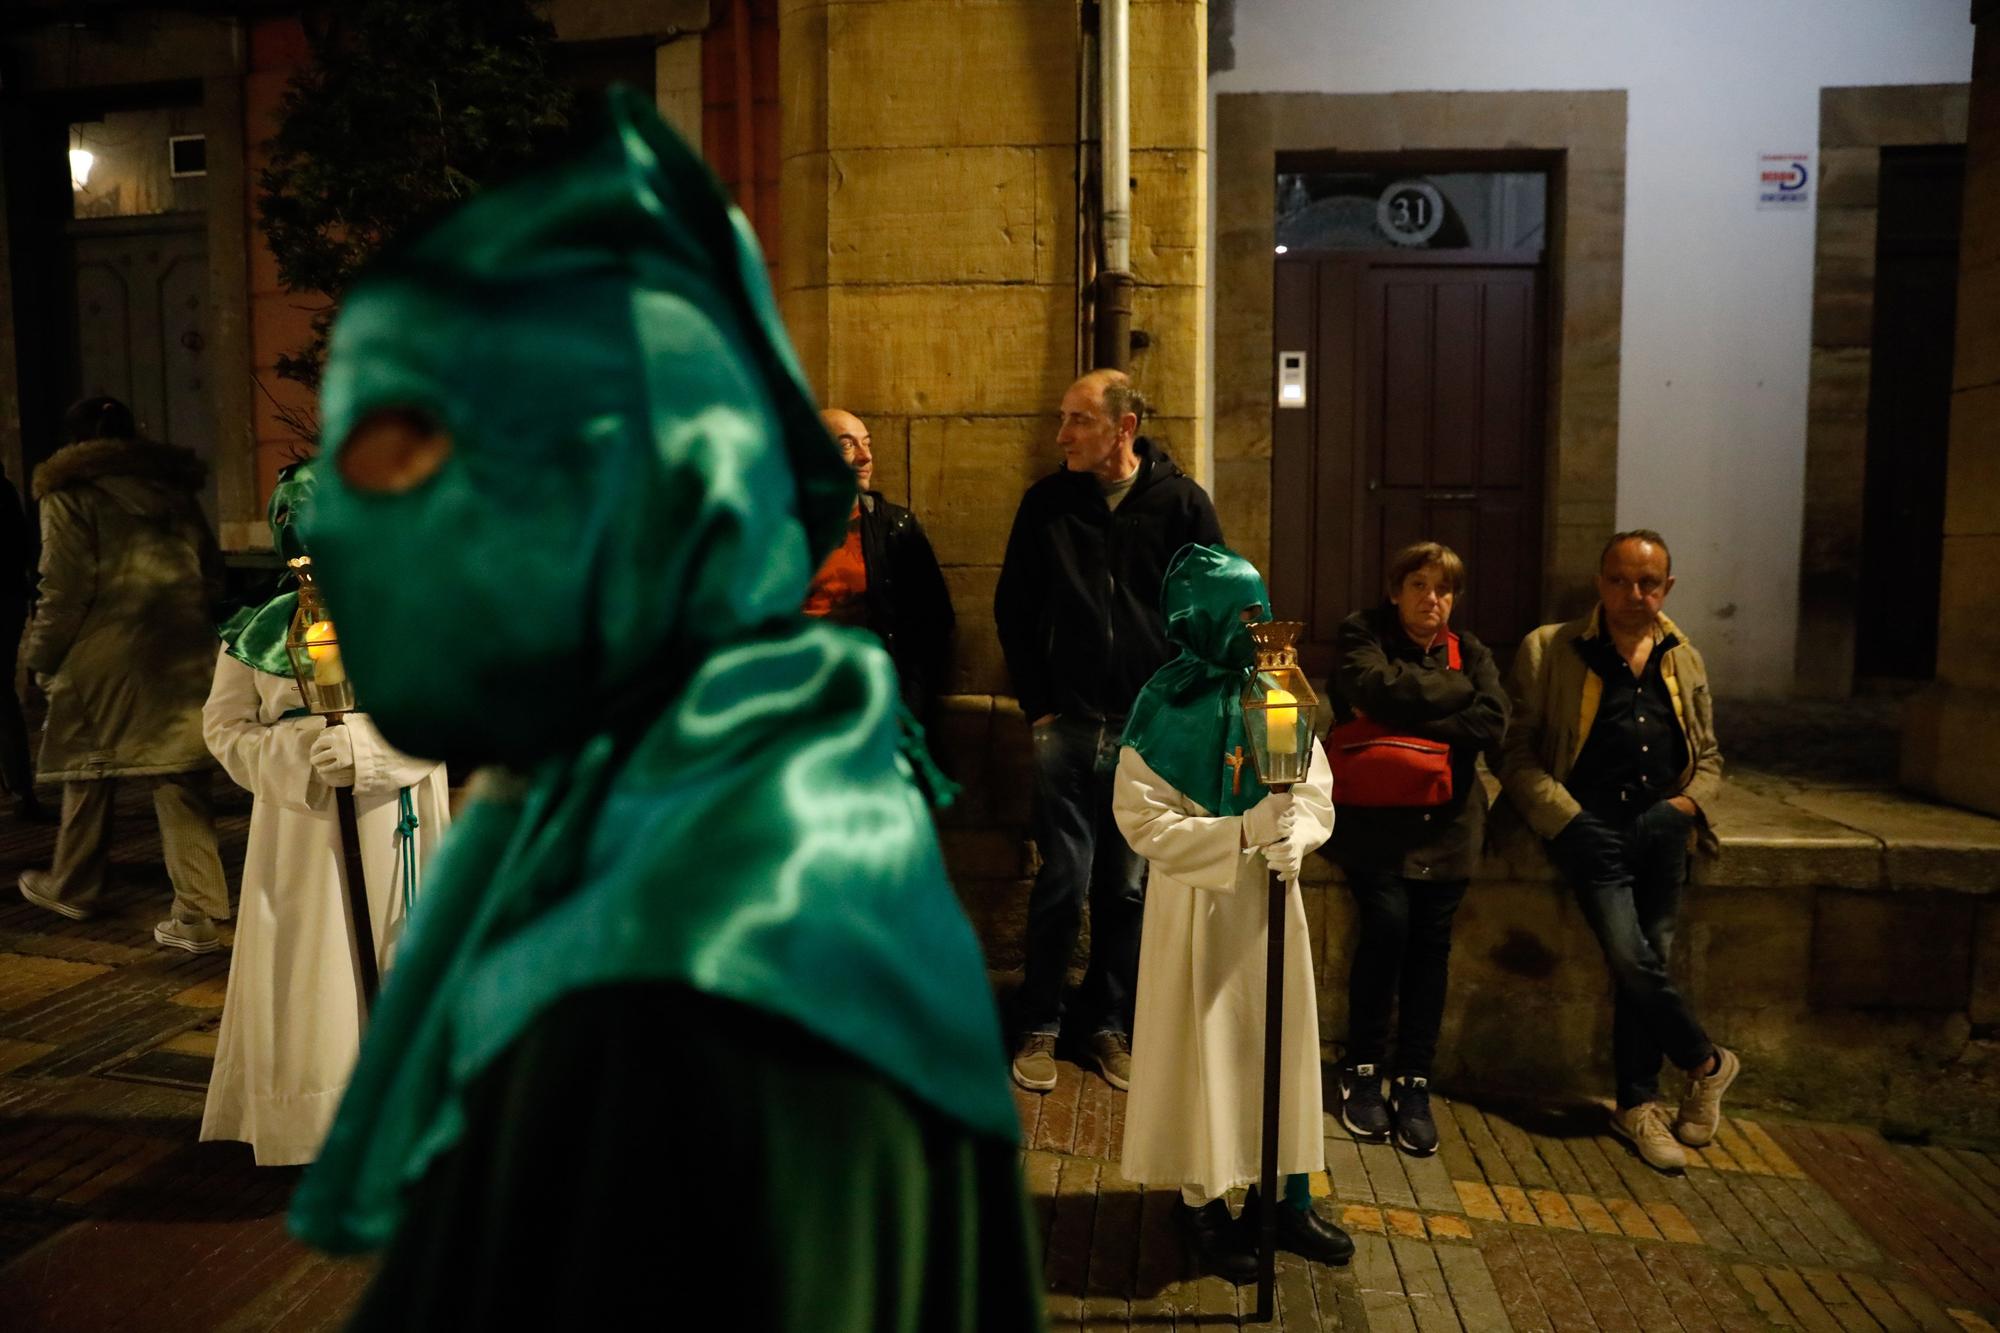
[(1187, 723), (255, 636), (597, 594)]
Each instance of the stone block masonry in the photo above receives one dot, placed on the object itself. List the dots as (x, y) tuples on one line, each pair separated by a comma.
[(928, 259)]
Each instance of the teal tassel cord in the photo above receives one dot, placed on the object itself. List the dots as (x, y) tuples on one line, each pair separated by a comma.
[(407, 825)]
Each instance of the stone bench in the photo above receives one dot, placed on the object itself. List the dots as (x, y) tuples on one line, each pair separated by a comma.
[(1846, 942)]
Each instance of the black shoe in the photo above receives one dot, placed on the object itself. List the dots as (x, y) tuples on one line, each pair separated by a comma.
[(1217, 1243), (1410, 1101), (1361, 1107), (1301, 1230)]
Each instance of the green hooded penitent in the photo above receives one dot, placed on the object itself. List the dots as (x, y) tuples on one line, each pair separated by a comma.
[(1187, 723), (255, 636), (599, 590)]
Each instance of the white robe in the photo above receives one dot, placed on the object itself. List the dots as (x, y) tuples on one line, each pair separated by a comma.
[(1195, 1112), (291, 1018)]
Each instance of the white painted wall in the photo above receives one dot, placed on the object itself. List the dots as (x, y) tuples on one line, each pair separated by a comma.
[(1718, 296)]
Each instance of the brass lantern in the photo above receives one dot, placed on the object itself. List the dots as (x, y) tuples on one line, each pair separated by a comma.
[(315, 650), (1279, 706)]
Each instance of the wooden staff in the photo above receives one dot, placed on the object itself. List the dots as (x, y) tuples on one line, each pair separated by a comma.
[(1274, 1040), (360, 924)]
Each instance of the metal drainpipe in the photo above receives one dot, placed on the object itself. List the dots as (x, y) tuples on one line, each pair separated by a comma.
[(1114, 279), (746, 115)]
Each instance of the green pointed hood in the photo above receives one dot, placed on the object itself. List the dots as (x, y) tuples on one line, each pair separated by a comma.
[(599, 590), (255, 636), (1187, 723)]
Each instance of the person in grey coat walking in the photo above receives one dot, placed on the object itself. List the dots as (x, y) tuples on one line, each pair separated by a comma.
[(123, 644)]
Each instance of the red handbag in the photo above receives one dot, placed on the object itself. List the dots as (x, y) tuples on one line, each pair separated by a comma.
[(1374, 765)]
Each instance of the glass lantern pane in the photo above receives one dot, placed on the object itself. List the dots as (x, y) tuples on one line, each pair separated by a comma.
[(315, 653)]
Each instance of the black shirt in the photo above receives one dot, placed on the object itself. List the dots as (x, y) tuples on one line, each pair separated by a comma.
[(1635, 754)]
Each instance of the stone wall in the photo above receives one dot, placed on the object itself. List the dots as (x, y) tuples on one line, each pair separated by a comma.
[(1859, 979), (928, 274), (1952, 736), (1855, 125)]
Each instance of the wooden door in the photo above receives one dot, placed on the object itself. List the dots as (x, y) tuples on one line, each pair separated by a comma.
[(1423, 422), (142, 323)]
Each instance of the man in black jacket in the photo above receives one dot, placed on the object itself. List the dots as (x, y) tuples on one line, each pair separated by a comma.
[(885, 576), (1078, 611)]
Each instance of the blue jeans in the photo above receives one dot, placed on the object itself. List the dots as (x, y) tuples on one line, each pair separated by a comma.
[(1628, 877), (1083, 856)]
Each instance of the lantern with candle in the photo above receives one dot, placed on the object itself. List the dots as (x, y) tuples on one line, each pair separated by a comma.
[(1279, 706), (1279, 713), (314, 648)]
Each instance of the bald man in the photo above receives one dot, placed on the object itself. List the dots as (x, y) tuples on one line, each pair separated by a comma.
[(884, 577), (1078, 610)]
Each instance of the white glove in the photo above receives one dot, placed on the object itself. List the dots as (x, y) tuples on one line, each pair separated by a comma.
[(1269, 821), (332, 757), (1284, 858)]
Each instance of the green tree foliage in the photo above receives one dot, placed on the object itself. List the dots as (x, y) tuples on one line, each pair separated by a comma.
[(406, 106)]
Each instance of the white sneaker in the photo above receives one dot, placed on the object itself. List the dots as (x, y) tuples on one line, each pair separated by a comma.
[(1645, 1128), (32, 882), (195, 936), (1701, 1108)]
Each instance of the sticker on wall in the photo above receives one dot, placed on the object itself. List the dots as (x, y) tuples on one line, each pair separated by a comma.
[(1784, 180)]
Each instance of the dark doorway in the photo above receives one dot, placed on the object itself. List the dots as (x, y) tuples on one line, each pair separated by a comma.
[(1409, 404), (1909, 407)]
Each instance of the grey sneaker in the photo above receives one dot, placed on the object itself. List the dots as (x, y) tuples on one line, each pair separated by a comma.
[(1113, 1051), (1645, 1128), (35, 888), (1701, 1108), (196, 935), (1035, 1062)]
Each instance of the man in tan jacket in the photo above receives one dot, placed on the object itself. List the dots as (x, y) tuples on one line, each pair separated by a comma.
[(1611, 757)]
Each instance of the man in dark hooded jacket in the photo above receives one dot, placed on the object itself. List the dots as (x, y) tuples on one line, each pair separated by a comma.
[(1078, 611), (124, 641)]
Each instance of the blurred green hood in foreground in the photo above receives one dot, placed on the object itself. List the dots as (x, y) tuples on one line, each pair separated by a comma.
[(597, 592)]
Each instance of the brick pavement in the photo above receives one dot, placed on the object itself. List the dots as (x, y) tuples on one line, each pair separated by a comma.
[(1535, 1218), (1529, 1218), (111, 1215)]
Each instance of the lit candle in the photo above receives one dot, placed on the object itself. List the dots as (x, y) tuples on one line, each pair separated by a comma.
[(322, 646), (1281, 724)]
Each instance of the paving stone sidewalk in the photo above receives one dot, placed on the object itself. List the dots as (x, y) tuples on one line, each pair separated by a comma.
[(1538, 1219), (113, 1217)]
